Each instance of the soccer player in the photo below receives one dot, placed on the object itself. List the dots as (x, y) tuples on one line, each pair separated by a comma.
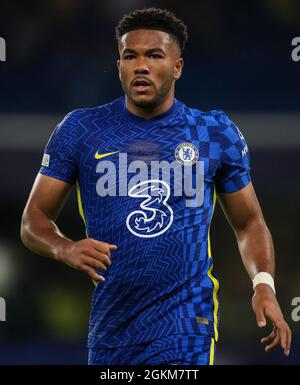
[(148, 170)]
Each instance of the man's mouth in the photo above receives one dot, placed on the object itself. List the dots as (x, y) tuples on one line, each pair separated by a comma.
[(141, 85)]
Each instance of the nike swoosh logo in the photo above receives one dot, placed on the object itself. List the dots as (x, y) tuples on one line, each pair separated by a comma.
[(100, 156)]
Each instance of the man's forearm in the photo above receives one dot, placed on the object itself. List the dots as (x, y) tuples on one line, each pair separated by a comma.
[(41, 235), (256, 248)]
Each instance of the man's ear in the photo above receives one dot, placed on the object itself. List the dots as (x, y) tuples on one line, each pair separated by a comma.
[(178, 68), (118, 65)]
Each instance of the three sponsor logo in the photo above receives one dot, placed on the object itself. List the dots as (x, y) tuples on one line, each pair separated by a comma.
[(154, 215)]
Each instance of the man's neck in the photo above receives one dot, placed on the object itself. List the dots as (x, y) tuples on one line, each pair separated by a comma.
[(149, 113)]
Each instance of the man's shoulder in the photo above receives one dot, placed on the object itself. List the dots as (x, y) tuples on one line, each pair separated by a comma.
[(214, 120), (218, 125), (100, 111)]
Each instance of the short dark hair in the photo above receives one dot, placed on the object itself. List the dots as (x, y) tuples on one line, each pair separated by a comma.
[(153, 18)]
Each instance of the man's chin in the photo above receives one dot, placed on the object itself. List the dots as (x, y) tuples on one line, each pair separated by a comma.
[(144, 101)]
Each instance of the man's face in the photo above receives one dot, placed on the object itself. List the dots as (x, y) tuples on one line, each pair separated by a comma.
[(148, 67)]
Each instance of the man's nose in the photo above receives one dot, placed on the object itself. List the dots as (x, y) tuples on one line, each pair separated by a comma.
[(141, 67)]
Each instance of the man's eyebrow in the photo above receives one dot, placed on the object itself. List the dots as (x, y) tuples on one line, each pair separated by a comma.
[(148, 51), (155, 50)]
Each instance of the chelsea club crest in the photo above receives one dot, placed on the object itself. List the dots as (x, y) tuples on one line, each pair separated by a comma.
[(186, 154)]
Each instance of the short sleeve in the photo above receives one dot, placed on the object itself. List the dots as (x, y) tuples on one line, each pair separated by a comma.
[(60, 159), (234, 170)]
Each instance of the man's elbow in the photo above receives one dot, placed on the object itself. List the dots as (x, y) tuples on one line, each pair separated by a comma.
[(255, 225), (25, 229)]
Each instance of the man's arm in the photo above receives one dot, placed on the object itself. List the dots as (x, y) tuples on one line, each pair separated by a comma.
[(41, 235), (256, 248)]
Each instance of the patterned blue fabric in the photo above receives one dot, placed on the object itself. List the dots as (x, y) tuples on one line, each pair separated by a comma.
[(161, 281), (169, 350)]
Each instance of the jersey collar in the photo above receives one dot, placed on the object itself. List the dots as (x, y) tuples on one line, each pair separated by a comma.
[(162, 118)]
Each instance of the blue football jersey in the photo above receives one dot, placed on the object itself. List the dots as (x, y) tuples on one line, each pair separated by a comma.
[(149, 186)]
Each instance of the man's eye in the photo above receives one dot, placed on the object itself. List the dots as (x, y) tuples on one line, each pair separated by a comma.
[(128, 57), (155, 56)]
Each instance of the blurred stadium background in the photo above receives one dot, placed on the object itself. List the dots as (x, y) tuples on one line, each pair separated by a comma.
[(61, 55)]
